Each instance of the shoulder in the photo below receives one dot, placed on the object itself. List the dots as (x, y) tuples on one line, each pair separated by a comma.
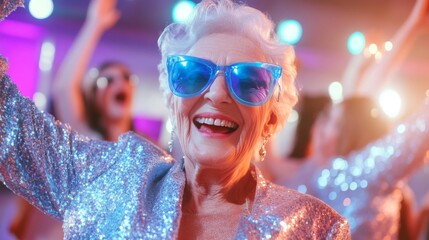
[(141, 148), (307, 214), (142, 141), (286, 197)]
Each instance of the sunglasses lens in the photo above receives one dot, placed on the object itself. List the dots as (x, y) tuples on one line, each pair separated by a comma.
[(251, 85), (189, 78)]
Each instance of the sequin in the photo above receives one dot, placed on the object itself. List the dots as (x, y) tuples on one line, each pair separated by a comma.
[(7, 6), (129, 189), (363, 186), (3, 66)]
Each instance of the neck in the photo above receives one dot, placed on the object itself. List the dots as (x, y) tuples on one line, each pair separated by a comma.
[(209, 191), (116, 127)]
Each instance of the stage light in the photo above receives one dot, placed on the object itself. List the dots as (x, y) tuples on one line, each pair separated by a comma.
[(182, 10), (373, 49), (336, 92), (47, 54), (41, 9), (356, 43), (390, 103), (40, 100), (388, 46), (290, 31)]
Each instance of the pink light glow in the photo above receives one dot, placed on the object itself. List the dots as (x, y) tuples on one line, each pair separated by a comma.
[(148, 126), (20, 45), (20, 29)]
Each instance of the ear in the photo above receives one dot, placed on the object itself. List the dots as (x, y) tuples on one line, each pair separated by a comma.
[(271, 124)]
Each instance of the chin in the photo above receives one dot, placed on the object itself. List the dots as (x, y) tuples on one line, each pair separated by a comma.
[(212, 156), (119, 113)]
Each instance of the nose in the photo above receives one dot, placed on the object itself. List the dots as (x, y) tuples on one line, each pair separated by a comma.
[(218, 92)]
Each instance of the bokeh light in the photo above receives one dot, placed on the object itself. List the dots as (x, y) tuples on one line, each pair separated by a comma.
[(372, 48), (388, 46), (390, 103), (47, 54), (290, 31), (356, 43), (336, 92), (182, 10), (41, 9)]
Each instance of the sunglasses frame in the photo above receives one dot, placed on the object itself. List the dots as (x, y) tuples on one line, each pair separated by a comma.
[(273, 69)]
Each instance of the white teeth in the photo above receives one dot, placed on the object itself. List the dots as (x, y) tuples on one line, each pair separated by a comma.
[(216, 122)]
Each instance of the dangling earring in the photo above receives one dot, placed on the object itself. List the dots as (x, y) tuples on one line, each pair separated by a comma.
[(171, 141), (263, 150)]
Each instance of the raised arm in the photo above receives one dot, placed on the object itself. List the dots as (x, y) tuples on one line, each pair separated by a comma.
[(366, 76), (374, 172), (42, 159), (69, 105)]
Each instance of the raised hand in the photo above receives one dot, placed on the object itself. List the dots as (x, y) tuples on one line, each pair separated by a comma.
[(103, 14)]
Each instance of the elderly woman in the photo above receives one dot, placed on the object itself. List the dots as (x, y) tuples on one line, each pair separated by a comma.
[(228, 84)]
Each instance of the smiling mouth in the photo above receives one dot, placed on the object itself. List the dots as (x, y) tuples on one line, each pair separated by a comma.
[(215, 125)]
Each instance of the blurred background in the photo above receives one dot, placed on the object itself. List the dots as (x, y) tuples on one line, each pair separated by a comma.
[(320, 39)]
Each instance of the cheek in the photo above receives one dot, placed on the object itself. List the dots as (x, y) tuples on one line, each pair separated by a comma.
[(181, 112), (254, 121), (181, 107), (256, 118), (99, 98), (129, 89)]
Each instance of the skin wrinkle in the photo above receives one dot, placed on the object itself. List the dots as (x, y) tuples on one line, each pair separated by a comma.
[(211, 181)]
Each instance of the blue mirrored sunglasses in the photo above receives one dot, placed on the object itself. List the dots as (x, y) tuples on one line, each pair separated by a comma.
[(250, 83)]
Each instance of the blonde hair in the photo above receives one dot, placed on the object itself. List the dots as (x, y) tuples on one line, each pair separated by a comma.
[(225, 16)]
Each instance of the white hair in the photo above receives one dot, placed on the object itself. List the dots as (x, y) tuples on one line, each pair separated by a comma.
[(226, 16)]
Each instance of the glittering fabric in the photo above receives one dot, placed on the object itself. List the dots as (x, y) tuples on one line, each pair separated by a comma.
[(7, 6), (3, 66), (364, 186), (281, 213), (129, 189)]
